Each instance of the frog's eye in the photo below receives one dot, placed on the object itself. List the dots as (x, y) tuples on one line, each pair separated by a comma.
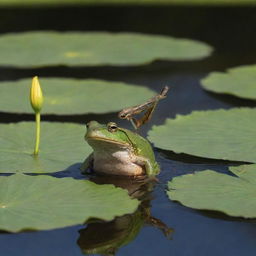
[(112, 127), (87, 125)]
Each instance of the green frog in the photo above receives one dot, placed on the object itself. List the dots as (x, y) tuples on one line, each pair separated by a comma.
[(118, 151)]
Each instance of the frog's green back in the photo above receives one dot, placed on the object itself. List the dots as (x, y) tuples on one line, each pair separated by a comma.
[(142, 146)]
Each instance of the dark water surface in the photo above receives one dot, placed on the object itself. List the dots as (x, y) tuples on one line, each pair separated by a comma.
[(195, 233)]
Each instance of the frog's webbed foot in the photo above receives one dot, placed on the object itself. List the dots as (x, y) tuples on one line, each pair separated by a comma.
[(167, 231), (88, 163)]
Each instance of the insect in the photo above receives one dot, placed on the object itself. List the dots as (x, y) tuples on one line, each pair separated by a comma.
[(149, 107)]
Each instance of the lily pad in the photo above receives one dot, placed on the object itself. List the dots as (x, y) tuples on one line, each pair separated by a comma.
[(210, 190), (44, 202), (38, 49), (72, 96), (239, 81), (220, 134), (62, 145)]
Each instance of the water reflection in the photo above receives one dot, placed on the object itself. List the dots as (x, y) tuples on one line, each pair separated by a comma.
[(106, 238)]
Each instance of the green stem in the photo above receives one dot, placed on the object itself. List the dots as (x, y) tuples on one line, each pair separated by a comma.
[(38, 117)]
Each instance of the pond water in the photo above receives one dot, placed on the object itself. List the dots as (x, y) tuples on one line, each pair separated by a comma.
[(232, 32)]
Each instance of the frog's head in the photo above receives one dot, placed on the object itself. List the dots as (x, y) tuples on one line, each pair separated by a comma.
[(109, 133)]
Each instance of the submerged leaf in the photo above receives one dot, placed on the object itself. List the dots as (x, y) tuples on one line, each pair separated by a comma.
[(220, 134), (62, 145), (72, 96), (37, 49), (44, 202), (210, 190), (238, 81)]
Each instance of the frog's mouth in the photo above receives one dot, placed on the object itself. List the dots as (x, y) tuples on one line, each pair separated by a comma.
[(95, 138)]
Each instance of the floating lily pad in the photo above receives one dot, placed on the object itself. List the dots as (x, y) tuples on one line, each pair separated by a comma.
[(221, 134), (43, 202), (62, 145), (210, 190), (239, 81), (37, 49), (72, 96), (123, 2)]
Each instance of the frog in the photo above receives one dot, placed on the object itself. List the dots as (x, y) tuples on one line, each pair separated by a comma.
[(118, 151)]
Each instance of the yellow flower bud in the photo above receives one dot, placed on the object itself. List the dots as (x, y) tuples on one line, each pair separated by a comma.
[(36, 95)]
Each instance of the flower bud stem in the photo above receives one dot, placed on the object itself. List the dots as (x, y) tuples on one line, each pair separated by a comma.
[(38, 118)]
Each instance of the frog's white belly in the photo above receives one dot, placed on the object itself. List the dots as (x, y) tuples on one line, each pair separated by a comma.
[(121, 162)]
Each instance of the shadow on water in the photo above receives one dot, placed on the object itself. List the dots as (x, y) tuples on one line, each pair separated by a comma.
[(233, 100), (106, 238)]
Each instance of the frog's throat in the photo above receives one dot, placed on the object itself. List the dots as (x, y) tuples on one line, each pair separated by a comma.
[(108, 140)]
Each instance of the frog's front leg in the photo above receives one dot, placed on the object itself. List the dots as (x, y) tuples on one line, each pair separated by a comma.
[(150, 169), (88, 163)]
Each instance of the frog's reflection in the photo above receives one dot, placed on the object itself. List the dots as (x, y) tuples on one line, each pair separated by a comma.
[(106, 237)]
